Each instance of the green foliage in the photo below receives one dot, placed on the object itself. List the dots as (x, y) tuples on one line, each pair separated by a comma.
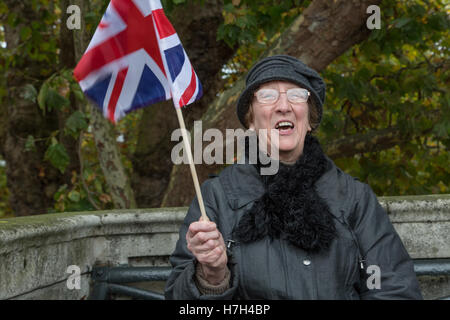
[(54, 100), (5, 209), (42, 97), (57, 155), (39, 38), (246, 20), (73, 199), (128, 129), (88, 190), (29, 92), (54, 95), (54, 90), (252, 26), (30, 144), (397, 78), (76, 123)]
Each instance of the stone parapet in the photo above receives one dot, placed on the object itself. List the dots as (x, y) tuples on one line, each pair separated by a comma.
[(36, 251)]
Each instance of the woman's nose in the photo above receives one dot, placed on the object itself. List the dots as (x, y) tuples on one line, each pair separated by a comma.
[(283, 104)]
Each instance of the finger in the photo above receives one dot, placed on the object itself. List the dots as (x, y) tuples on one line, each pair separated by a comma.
[(199, 243), (206, 247), (213, 258), (209, 258), (196, 227), (201, 226), (202, 237)]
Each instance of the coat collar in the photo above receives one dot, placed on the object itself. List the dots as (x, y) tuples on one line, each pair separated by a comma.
[(242, 184)]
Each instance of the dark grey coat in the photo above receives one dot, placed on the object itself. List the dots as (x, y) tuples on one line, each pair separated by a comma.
[(276, 269)]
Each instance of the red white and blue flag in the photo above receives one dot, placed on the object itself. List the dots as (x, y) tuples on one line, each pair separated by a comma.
[(135, 59)]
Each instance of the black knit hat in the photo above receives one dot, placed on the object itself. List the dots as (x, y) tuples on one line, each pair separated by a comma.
[(281, 67)]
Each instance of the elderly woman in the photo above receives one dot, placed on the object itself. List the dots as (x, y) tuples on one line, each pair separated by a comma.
[(310, 231)]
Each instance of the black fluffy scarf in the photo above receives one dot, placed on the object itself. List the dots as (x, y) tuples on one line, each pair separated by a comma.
[(290, 208)]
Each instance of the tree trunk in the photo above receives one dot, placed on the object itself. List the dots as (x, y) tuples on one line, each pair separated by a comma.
[(324, 31), (152, 164), (108, 153), (67, 61)]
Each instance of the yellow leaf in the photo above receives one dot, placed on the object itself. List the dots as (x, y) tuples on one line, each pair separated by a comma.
[(105, 198), (354, 113), (73, 180), (64, 89), (228, 18), (41, 172)]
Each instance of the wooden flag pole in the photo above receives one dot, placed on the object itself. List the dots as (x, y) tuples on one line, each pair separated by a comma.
[(187, 146)]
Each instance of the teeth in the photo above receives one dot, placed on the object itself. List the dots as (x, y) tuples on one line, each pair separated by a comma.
[(284, 124)]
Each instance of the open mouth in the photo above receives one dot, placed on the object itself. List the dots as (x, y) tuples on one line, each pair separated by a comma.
[(284, 125)]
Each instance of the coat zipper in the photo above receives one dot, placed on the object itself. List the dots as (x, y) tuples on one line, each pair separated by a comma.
[(361, 260)]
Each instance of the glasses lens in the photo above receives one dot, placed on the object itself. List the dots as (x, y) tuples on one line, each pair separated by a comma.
[(294, 95), (297, 95), (267, 95)]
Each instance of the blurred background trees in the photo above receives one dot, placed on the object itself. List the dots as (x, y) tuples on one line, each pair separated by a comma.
[(386, 117)]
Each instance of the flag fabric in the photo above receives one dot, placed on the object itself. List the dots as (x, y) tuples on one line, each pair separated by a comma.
[(135, 59)]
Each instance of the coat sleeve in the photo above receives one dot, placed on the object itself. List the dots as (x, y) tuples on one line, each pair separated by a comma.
[(382, 247), (181, 284)]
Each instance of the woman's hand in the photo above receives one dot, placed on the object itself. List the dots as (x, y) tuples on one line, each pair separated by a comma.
[(207, 245)]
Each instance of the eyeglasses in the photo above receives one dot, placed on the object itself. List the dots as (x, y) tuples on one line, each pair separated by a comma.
[(270, 96)]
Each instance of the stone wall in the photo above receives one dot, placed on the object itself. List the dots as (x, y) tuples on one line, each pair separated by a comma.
[(36, 251)]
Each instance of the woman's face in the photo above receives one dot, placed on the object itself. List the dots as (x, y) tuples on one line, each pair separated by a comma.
[(293, 118)]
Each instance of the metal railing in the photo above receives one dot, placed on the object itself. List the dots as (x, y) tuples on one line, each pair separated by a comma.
[(107, 280), (111, 280)]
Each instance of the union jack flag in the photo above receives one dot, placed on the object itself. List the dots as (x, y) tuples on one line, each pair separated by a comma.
[(135, 59)]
